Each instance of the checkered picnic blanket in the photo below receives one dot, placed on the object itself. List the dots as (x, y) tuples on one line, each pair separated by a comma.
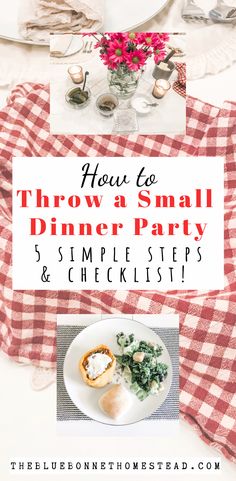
[(207, 319)]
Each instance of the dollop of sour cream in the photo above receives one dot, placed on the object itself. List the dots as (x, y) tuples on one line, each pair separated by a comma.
[(97, 364)]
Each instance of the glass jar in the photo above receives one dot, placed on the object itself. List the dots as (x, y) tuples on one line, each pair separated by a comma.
[(123, 82)]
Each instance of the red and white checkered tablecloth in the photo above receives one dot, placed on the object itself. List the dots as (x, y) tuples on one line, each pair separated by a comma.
[(180, 84), (207, 319)]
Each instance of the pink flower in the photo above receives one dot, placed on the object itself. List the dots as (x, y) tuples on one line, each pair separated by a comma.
[(133, 37), (136, 59), (159, 55), (148, 39), (130, 49), (119, 37), (103, 43), (164, 37), (108, 62), (116, 52)]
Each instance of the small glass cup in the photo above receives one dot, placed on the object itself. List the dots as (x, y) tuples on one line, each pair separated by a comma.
[(106, 104), (74, 104), (160, 88), (76, 74)]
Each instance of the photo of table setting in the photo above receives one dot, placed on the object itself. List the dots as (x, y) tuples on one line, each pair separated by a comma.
[(117, 83)]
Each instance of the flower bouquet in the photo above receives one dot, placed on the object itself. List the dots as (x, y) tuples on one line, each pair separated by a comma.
[(126, 54)]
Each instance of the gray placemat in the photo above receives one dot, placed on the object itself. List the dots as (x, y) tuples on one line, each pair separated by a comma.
[(67, 411)]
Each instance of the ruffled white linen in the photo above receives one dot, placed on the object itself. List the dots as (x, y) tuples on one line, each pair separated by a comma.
[(211, 51), (37, 18), (22, 63)]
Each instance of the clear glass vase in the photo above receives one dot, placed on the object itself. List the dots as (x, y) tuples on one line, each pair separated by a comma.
[(123, 82)]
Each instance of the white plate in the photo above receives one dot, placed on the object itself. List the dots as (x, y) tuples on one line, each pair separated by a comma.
[(85, 397), (121, 15)]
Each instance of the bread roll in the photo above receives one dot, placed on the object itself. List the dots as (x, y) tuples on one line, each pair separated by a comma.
[(115, 402)]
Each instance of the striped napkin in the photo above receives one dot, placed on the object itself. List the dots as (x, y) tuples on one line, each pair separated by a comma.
[(207, 319)]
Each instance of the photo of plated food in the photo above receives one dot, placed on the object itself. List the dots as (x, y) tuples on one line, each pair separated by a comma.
[(117, 371)]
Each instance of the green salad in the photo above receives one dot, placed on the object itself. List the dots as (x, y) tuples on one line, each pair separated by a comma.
[(140, 366)]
